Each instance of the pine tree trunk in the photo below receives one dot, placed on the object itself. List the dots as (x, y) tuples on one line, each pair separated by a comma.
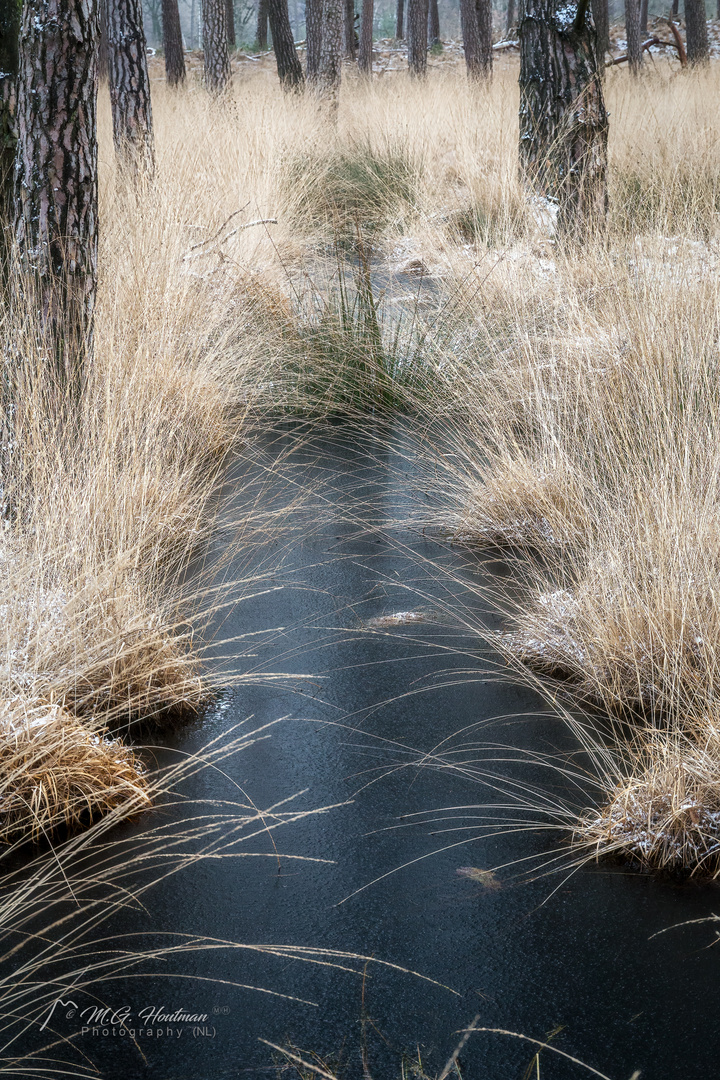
[(632, 33), (129, 83), (563, 122), (433, 22), (696, 33), (643, 17), (366, 37), (103, 59), (400, 18), (471, 39), (215, 46), (172, 44), (313, 34), (675, 8), (483, 9), (510, 19), (350, 48), (56, 194), (289, 68), (601, 18), (417, 19), (9, 39), (261, 32), (329, 73), (230, 24)]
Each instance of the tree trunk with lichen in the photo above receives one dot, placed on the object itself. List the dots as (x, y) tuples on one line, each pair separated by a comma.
[(215, 46), (289, 68), (9, 39), (172, 44), (129, 82), (417, 20), (696, 32), (56, 193), (563, 121), (633, 36)]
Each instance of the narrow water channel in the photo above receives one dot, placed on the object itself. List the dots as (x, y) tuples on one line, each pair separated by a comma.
[(573, 955)]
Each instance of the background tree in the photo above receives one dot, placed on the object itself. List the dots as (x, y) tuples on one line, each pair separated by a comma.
[(400, 18), (349, 10), (510, 18), (633, 35), (313, 35), (129, 82), (643, 17), (230, 24), (366, 37), (601, 18), (433, 22), (477, 37), (330, 69), (563, 122), (417, 20), (289, 68), (56, 194), (696, 34), (215, 46), (173, 44), (9, 38), (261, 32), (483, 11)]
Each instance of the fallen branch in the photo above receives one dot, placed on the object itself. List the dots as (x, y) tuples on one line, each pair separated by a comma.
[(678, 42), (506, 45), (195, 253), (645, 45)]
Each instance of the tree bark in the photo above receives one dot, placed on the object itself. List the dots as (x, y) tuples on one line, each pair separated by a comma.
[(471, 39), (103, 59), (563, 122), (417, 20), (483, 9), (327, 81), (643, 17), (9, 59), (261, 32), (350, 49), (601, 18), (696, 34), (289, 68), (215, 46), (172, 44), (313, 35), (366, 37), (400, 18), (56, 194), (129, 83), (675, 8), (230, 24), (433, 22), (510, 18), (632, 33)]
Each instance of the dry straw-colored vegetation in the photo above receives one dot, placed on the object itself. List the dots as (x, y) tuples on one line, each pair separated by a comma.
[(279, 263)]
